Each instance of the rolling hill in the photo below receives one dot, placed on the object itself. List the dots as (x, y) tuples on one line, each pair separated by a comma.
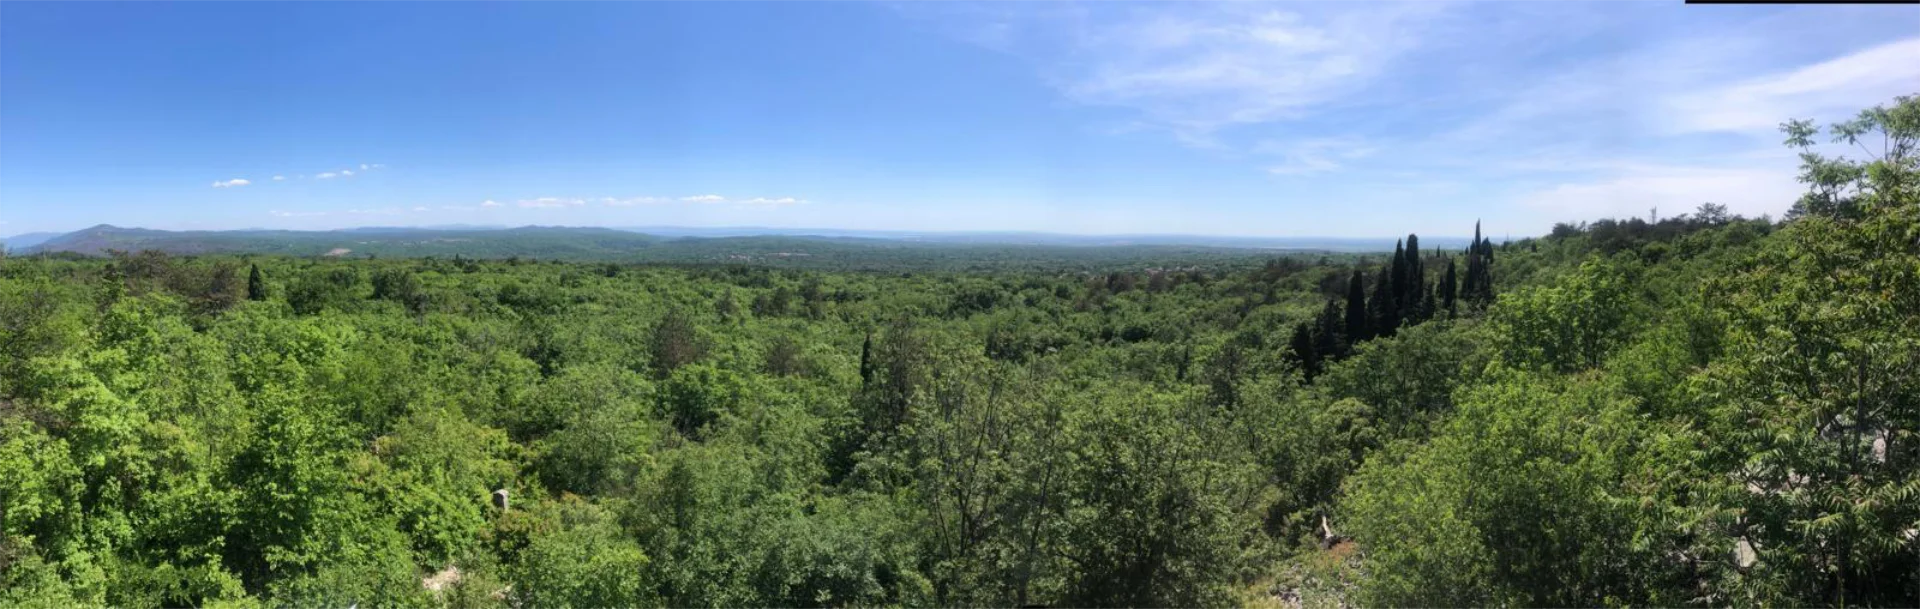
[(950, 252)]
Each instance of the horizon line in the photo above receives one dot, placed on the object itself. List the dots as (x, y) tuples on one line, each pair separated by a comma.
[(811, 230)]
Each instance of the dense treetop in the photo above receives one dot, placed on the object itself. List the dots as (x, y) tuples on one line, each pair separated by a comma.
[(1701, 410)]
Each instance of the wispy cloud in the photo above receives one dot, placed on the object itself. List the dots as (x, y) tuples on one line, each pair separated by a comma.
[(1637, 190), (326, 175), (1193, 68), (1760, 103), (490, 203), (1513, 102), (549, 202), (632, 201), (772, 201), (1311, 156), (707, 199), (297, 214)]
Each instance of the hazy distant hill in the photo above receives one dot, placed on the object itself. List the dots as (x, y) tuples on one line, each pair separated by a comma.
[(23, 241), (1332, 244), (943, 251), (532, 241)]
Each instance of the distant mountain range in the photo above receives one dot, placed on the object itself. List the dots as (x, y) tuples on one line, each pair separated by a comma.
[(26, 240), (1333, 244), (563, 242), (813, 247)]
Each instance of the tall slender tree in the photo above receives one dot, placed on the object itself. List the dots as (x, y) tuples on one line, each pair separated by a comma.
[(1399, 280), (1305, 353), (1448, 288), (866, 361), (1357, 327), (1478, 288), (1382, 307), (1416, 297), (256, 284), (1327, 332)]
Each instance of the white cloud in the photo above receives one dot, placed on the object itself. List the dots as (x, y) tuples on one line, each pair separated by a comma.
[(420, 208), (490, 203), (1195, 68), (1674, 190), (550, 202), (629, 202), (279, 178), (1841, 84), (773, 201), (346, 173), (297, 214), (710, 199), (325, 175), (231, 183), (1311, 156), (363, 166)]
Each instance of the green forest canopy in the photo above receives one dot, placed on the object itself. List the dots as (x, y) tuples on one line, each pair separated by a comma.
[(1703, 410)]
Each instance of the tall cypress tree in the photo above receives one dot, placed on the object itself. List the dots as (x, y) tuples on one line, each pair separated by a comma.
[(1470, 289), (1306, 354), (866, 361), (1398, 283), (256, 284), (1327, 333), (1478, 287), (1417, 300), (1427, 305), (1382, 308), (1357, 327), (1447, 289)]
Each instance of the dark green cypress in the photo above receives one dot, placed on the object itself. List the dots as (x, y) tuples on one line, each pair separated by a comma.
[(1305, 353), (1327, 333), (866, 361), (1398, 283), (1448, 289), (1476, 268), (1484, 291), (1477, 289), (1381, 307), (1357, 327), (256, 284), (1418, 299)]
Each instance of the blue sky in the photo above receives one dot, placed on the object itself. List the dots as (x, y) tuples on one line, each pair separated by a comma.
[(1342, 119)]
